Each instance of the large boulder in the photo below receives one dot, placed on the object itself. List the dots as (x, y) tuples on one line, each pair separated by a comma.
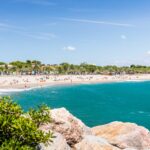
[(124, 135), (59, 143), (94, 143), (66, 124)]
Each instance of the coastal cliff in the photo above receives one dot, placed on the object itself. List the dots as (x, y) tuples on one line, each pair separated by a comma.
[(72, 134)]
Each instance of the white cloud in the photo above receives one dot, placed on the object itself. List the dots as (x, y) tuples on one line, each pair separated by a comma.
[(6, 27), (38, 35), (38, 2), (24, 32), (69, 48), (98, 22), (9, 26), (148, 52), (123, 37)]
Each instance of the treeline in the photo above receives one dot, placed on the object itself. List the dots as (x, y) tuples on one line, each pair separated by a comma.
[(36, 67)]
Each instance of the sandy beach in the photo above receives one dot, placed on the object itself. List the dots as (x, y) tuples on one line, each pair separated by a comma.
[(26, 82)]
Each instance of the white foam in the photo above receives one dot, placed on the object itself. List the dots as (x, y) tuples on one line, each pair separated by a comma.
[(135, 80), (2, 91)]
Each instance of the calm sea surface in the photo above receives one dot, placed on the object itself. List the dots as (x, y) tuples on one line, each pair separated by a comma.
[(95, 104)]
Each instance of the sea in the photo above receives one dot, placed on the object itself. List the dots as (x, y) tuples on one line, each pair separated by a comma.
[(94, 104)]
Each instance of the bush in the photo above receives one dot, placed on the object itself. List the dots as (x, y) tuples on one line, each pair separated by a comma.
[(41, 115), (19, 131)]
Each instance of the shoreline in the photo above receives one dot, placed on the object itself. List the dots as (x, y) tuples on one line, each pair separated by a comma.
[(24, 83)]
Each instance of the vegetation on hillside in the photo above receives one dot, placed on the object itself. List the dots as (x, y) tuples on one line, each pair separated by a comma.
[(36, 67), (19, 131)]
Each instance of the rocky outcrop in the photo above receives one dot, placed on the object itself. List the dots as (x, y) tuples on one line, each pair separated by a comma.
[(69, 126), (124, 135), (59, 143), (94, 143), (73, 134)]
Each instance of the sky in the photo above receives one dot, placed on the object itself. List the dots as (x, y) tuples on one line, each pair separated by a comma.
[(101, 32)]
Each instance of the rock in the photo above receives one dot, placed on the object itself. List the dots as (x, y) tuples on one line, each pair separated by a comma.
[(131, 149), (124, 135), (69, 126), (59, 143), (94, 143)]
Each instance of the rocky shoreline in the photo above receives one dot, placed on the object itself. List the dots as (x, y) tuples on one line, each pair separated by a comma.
[(72, 134)]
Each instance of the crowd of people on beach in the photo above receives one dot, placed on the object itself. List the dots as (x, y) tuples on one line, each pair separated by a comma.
[(29, 81)]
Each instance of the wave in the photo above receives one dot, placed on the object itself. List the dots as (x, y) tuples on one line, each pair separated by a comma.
[(133, 80), (5, 91), (2, 91)]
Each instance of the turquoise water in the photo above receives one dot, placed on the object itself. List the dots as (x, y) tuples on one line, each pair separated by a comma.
[(95, 104)]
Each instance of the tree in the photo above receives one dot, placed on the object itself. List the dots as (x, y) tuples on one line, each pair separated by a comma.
[(65, 67), (36, 62), (2, 63)]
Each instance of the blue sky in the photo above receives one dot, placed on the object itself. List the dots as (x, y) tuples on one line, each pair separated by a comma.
[(102, 32)]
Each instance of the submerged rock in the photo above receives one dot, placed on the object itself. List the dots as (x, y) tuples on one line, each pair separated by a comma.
[(94, 143), (124, 135), (59, 143)]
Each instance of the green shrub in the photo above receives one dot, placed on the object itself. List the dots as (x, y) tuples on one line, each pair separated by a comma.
[(41, 115), (19, 131)]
